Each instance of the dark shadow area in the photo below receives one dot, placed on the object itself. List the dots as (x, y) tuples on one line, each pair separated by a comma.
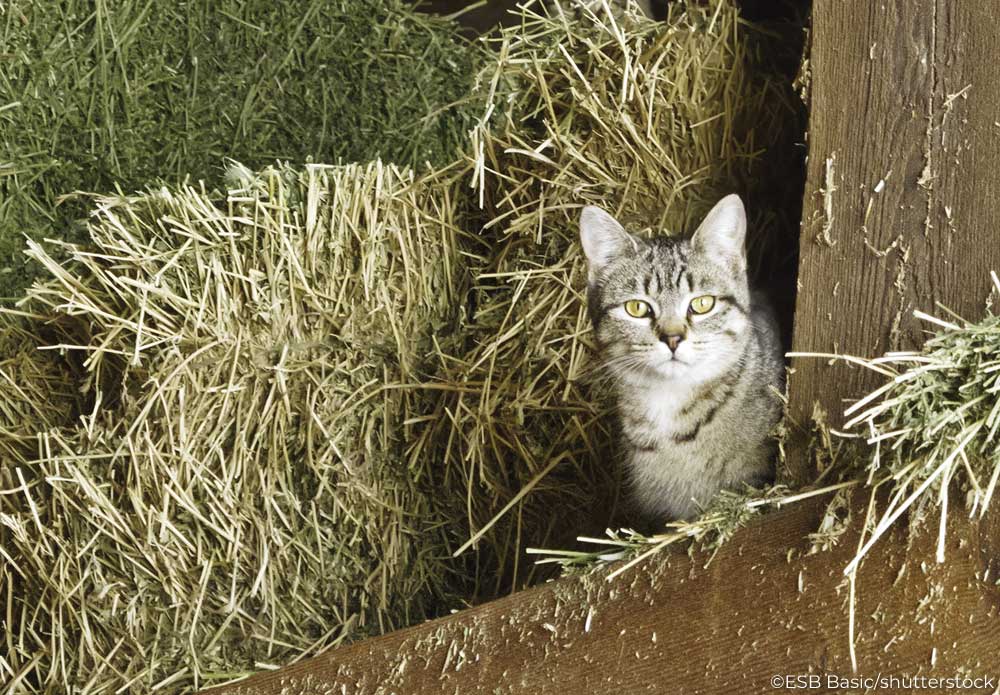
[(778, 50)]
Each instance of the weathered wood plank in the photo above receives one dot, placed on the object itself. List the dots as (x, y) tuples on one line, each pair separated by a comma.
[(903, 92), (763, 607)]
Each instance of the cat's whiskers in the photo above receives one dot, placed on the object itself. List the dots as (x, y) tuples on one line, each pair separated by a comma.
[(621, 365)]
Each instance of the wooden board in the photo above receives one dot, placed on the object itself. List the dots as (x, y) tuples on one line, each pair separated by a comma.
[(764, 608), (902, 92)]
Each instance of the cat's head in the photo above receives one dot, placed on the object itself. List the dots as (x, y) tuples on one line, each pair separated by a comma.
[(673, 308)]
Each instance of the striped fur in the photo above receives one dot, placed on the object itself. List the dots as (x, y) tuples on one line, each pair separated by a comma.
[(698, 419)]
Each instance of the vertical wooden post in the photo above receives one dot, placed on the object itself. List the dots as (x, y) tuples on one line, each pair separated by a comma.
[(903, 174)]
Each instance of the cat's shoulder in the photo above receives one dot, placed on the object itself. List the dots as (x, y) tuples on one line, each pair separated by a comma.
[(760, 307)]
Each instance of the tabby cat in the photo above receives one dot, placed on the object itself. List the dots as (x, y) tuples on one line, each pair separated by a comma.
[(693, 357)]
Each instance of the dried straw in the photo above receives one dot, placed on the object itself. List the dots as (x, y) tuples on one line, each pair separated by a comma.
[(35, 393), (235, 494)]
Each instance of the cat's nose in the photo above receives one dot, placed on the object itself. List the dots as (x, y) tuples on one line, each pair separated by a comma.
[(672, 340)]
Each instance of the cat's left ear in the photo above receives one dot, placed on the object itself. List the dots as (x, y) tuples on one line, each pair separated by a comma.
[(723, 231)]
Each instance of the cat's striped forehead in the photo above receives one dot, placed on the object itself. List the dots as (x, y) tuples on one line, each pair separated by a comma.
[(663, 265)]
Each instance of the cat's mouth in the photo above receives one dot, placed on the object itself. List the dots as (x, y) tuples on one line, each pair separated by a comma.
[(672, 363), (669, 357)]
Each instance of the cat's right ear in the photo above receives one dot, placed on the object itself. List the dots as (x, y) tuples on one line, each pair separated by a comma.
[(603, 239)]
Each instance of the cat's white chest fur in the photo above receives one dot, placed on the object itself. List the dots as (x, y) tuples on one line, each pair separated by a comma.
[(661, 401), (669, 474)]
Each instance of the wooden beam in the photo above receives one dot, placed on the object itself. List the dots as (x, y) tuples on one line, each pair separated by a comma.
[(904, 166), (763, 607)]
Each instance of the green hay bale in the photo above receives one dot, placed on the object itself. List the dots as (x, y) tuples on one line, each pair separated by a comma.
[(235, 494), (654, 121), (94, 96)]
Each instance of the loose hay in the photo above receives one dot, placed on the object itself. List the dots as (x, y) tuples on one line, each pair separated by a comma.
[(934, 421), (236, 493)]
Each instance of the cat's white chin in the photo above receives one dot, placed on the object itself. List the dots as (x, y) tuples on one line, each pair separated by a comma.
[(682, 366)]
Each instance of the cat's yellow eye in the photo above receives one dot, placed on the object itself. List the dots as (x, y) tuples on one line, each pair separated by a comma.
[(637, 308), (702, 304)]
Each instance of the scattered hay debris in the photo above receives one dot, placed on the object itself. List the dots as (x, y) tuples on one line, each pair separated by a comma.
[(829, 187), (728, 512)]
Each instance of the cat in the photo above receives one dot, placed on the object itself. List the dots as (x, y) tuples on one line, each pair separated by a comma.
[(693, 357)]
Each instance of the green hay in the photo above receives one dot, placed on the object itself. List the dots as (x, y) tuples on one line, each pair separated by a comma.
[(235, 494), (654, 121), (99, 95), (934, 422), (728, 512), (930, 429)]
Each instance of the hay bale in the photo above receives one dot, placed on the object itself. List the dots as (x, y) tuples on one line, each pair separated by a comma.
[(124, 94), (36, 391), (654, 121), (236, 494)]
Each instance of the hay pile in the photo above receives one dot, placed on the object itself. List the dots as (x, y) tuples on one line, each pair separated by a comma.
[(290, 405), (935, 420), (653, 121), (128, 93), (235, 493)]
